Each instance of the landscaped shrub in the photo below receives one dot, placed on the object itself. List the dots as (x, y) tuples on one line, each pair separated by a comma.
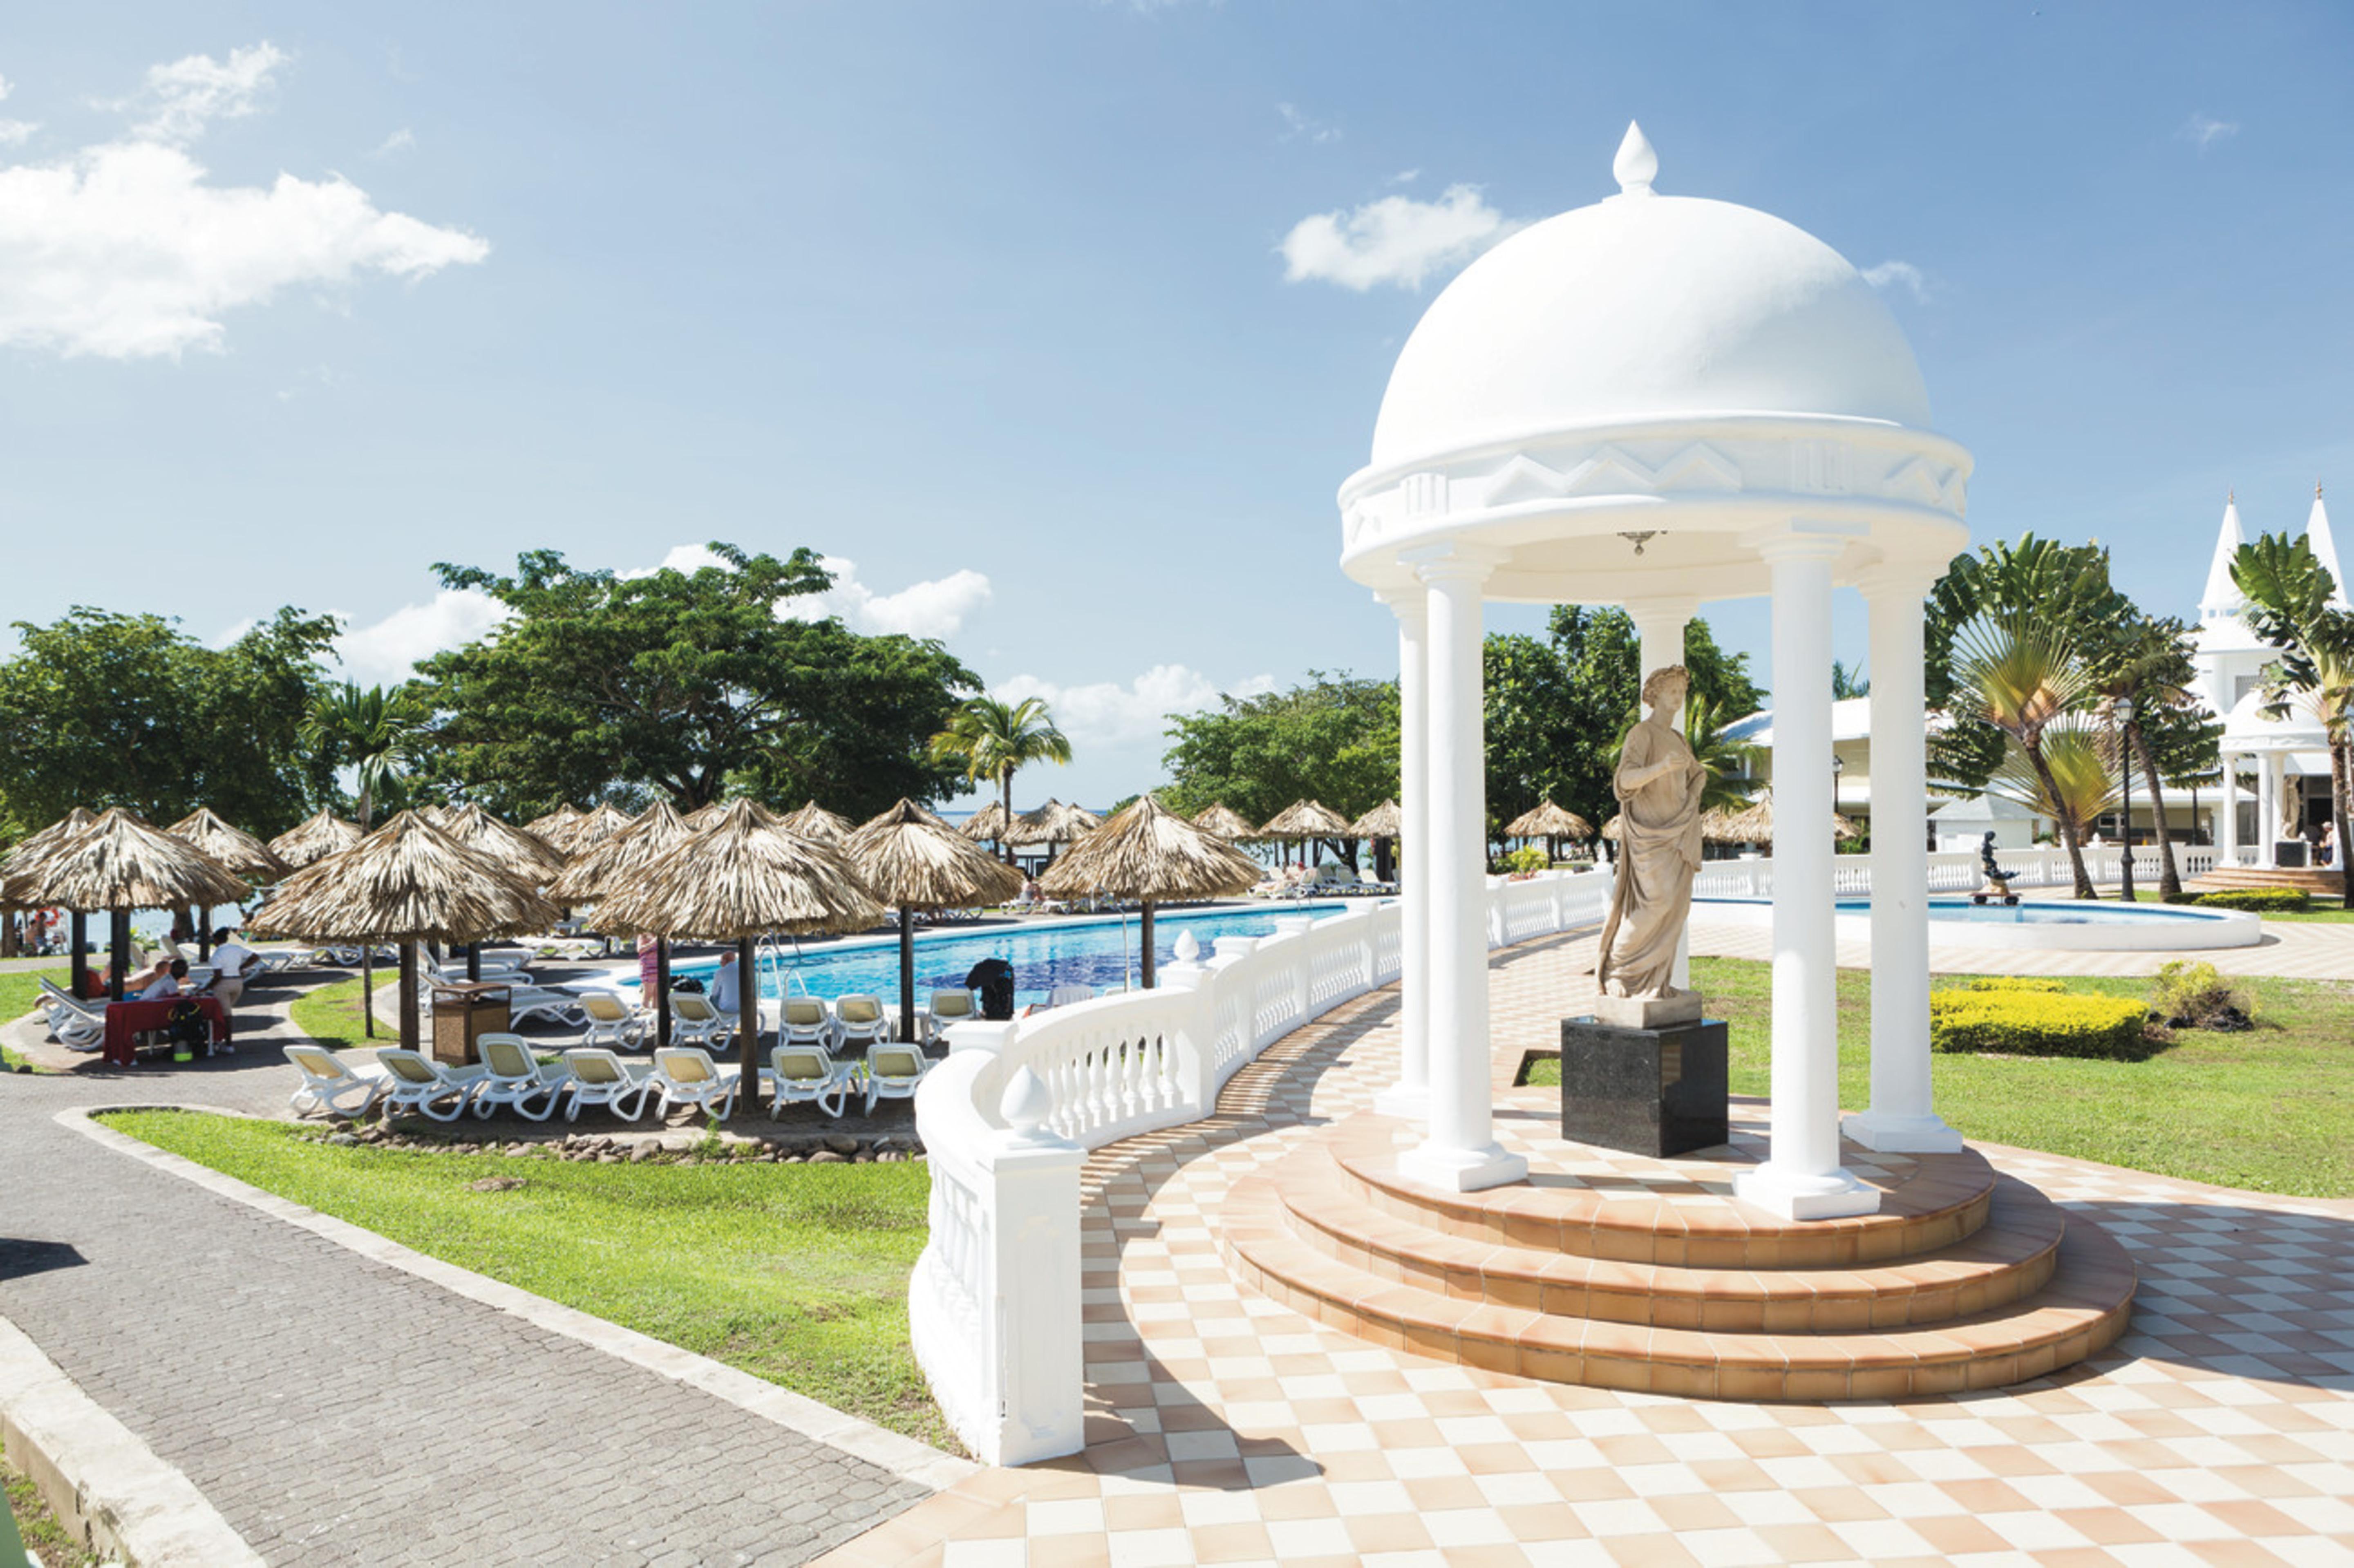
[(2017, 1022), (2259, 900), (2195, 996), (1527, 858), (2014, 982)]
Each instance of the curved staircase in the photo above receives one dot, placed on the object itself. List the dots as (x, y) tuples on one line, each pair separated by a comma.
[(1660, 1282)]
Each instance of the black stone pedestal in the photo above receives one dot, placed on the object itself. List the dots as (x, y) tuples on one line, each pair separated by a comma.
[(1659, 1092)]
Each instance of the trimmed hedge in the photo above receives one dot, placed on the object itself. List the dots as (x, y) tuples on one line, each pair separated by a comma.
[(2015, 982), (2013, 1021), (2259, 900)]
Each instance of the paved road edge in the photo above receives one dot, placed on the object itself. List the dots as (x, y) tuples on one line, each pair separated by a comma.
[(105, 1485), (903, 1457)]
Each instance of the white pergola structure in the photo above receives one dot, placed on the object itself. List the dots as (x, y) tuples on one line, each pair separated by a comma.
[(1656, 401)]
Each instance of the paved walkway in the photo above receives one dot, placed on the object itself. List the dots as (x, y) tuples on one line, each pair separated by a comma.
[(2297, 949), (335, 1410), (1224, 1428)]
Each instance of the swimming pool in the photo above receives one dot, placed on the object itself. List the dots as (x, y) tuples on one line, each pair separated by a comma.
[(2093, 926), (1097, 952)]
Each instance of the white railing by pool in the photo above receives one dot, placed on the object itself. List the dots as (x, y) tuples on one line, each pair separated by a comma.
[(1956, 870), (993, 1306)]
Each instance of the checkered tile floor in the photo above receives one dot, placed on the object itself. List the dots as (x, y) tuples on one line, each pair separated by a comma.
[(1224, 1428)]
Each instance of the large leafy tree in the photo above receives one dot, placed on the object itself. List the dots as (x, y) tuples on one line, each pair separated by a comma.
[(99, 709), (991, 739), (690, 684), (1334, 739), (2290, 596)]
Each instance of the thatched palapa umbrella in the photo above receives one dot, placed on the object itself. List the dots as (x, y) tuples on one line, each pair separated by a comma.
[(530, 860), (555, 828), (118, 864), (1755, 825), (314, 838), (1151, 855), (29, 850), (1383, 825), (736, 881), (612, 865), (814, 822), (597, 827), (1223, 821), (239, 851), (1552, 823), (409, 882), (911, 860), (1306, 822), (1053, 823)]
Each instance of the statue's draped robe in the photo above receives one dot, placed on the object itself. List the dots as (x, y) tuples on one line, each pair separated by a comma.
[(1659, 850)]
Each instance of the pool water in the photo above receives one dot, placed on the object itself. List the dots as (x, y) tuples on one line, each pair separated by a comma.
[(1101, 953), (2047, 911)]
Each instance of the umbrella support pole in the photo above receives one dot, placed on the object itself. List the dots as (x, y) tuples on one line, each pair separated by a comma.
[(473, 960), (367, 989), (118, 952), (1149, 979), (662, 990), (79, 938), (410, 1030), (748, 1027), (907, 973)]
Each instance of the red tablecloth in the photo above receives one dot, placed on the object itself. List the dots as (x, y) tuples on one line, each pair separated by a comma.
[(126, 1019)]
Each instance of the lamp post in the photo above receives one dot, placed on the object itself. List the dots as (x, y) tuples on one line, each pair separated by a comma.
[(2123, 709), (1838, 766)]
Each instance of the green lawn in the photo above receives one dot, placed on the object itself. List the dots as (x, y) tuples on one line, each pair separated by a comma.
[(2321, 911), (796, 1273), (2267, 1110), (330, 1014), (20, 989)]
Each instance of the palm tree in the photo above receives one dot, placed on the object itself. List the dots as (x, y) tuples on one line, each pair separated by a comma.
[(375, 734), (2147, 661), (2289, 604), (1848, 681), (2019, 673), (991, 739), (2070, 779)]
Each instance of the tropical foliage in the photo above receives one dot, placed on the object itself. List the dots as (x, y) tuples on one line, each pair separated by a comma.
[(1334, 739), (2293, 603), (2141, 665), (375, 733), (992, 740)]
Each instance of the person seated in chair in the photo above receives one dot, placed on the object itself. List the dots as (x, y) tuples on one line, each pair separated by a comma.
[(163, 980), (727, 987)]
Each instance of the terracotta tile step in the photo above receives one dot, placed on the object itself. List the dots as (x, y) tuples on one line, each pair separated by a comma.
[(1945, 1200), (2082, 1309), (2012, 1257)]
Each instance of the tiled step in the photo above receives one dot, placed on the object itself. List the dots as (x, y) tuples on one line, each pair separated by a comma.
[(2012, 1257), (2320, 883), (2080, 1310), (1932, 1201)]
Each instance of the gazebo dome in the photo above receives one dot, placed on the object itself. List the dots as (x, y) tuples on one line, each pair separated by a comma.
[(1618, 403), (1646, 306)]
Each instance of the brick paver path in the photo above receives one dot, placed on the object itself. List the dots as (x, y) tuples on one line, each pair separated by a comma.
[(2294, 949), (1225, 1428), (339, 1411)]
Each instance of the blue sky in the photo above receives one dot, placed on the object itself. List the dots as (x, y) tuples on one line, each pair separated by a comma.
[(993, 300)]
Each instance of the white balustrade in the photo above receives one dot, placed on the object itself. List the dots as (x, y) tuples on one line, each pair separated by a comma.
[(1958, 871)]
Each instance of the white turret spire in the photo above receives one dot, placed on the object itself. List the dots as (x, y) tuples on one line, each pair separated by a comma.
[(1636, 165), (2325, 547), (2223, 600)]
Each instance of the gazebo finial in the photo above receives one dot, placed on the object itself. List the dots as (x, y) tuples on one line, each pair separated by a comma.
[(1636, 165)]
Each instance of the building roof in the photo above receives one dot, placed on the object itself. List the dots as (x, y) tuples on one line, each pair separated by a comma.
[(1851, 720), (2223, 599)]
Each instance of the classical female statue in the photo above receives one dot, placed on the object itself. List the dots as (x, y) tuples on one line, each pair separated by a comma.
[(1659, 785)]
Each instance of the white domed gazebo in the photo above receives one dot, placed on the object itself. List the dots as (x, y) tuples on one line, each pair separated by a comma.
[(1655, 401)]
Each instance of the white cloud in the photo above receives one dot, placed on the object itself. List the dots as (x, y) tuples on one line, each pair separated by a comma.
[(386, 651), (1395, 239), (935, 608), (1301, 127), (1405, 176), (125, 251), (2203, 131), (1899, 275), (1107, 714), (14, 133), (180, 99), (401, 141)]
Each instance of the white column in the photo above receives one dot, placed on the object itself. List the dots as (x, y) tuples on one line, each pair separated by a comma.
[(2267, 807), (1659, 623), (1802, 1177), (1459, 1152), (1902, 1118), (2228, 841), (1409, 1097)]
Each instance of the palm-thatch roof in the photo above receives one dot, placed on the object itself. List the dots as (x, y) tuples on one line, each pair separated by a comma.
[(742, 876), (1305, 820), (814, 822), (407, 882), (527, 859), (610, 865), (597, 827), (555, 829), (31, 848), (233, 847), (119, 863), (1223, 821), (1755, 825), (911, 859), (1614, 830), (1053, 823), (314, 838), (1384, 821), (1148, 852), (702, 817), (1548, 820), (989, 823)]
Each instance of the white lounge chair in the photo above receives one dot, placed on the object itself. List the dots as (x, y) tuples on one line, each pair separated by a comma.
[(803, 1020), (331, 1086), (512, 1075), (1063, 995), (695, 1022), (946, 1008), (859, 1019), (893, 1072), (602, 1078), (806, 1075), (612, 1022), (686, 1076), (78, 1024), (418, 1083)]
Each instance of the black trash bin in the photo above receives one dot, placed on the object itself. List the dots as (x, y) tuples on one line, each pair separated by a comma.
[(994, 978)]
